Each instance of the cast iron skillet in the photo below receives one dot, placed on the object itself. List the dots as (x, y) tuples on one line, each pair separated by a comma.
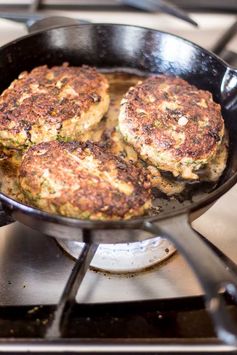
[(120, 46)]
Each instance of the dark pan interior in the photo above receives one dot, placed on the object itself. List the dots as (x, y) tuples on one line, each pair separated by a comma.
[(129, 47)]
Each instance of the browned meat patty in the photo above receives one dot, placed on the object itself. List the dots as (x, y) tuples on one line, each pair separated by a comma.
[(83, 180), (172, 124), (50, 103)]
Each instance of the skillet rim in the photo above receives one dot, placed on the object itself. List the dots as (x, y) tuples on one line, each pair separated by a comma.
[(103, 24), (11, 205)]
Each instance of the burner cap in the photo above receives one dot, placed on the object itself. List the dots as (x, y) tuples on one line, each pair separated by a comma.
[(124, 257)]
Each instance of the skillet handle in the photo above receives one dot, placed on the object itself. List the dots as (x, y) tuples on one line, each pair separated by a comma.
[(212, 273)]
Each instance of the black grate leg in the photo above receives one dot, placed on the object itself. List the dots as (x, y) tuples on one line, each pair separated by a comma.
[(225, 39), (34, 6), (67, 300)]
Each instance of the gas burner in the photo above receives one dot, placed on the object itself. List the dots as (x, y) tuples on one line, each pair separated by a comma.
[(124, 257)]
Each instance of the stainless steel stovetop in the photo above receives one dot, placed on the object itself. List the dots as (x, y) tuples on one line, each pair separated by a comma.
[(33, 268)]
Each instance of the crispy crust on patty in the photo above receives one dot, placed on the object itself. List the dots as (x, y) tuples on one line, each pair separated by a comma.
[(82, 180), (51, 103), (172, 124)]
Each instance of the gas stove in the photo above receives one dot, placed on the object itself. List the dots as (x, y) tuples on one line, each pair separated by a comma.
[(129, 301)]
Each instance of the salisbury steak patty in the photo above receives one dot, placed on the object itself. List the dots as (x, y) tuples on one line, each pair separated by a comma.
[(172, 124), (46, 104), (83, 180)]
